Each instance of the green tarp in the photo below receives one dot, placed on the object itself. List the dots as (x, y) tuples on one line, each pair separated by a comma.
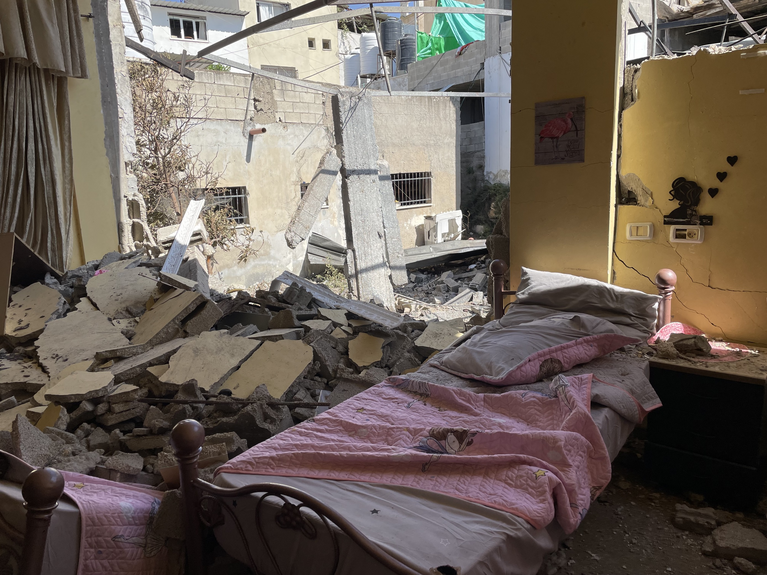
[(451, 31)]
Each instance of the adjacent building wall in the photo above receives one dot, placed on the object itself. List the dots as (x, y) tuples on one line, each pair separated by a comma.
[(421, 134), (561, 216), (447, 69), (688, 117), (289, 48)]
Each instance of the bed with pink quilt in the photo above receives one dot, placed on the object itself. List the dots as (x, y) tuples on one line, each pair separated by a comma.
[(480, 462)]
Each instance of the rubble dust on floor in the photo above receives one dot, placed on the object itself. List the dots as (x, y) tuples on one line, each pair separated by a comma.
[(632, 529)]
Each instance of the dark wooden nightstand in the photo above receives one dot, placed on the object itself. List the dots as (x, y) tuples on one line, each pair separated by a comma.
[(710, 436)]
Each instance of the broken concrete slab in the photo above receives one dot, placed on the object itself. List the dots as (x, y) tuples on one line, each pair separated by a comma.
[(323, 325), (128, 463), (276, 364), (17, 372), (80, 386), (39, 397), (234, 444), (98, 439), (125, 392), (192, 270), (395, 255), (314, 198), (109, 419), (278, 334), (338, 333), (135, 366), (8, 403), (337, 316), (326, 298), (438, 335), (463, 296), (57, 349), (84, 412), (178, 281), (31, 444), (365, 349), (735, 540), (116, 292), (163, 321), (202, 319), (344, 391), (54, 416), (144, 442), (123, 352), (33, 414), (210, 359), (29, 311), (285, 319), (690, 344), (325, 353)]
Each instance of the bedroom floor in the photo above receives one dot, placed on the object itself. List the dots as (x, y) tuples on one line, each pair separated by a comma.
[(631, 530)]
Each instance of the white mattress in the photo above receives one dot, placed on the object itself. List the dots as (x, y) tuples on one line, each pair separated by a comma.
[(428, 529)]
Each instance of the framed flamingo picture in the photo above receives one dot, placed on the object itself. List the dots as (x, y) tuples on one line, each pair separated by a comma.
[(560, 132)]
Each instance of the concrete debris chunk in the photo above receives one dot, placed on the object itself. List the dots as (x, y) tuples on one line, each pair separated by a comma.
[(278, 334), (192, 270), (128, 463), (83, 463), (325, 353), (126, 392), (438, 335), (98, 439), (365, 349), (82, 413), (31, 444), (144, 442), (17, 372), (276, 364), (115, 292), (735, 540), (57, 348), (234, 445), (162, 322), (178, 281), (29, 311), (324, 325), (702, 521), (135, 366), (337, 316), (53, 416), (745, 565), (80, 386), (109, 419), (210, 359), (203, 319), (285, 319), (8, 403), (690, 344)]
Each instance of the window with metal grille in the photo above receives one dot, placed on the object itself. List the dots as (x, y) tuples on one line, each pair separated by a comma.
[(237, 199), (412, 189), (281, 70), (304, 187)]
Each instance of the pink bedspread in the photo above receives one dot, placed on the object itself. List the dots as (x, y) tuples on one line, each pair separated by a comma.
[(116, 527), (538, 456)]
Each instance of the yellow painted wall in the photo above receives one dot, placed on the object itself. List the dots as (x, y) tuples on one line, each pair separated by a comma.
[(94, 221), (688, 117), (561, 216)]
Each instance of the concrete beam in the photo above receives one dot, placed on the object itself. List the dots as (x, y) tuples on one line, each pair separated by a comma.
[(316, 195), (353, 117), (394, 252)]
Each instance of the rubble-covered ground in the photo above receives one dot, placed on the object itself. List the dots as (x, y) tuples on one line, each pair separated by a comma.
[(639, 527)]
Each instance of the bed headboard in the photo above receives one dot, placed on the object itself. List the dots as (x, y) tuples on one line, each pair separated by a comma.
[(665, 281)]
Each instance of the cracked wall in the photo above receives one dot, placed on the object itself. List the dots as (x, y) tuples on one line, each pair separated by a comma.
[(688, 117), (561, 216)]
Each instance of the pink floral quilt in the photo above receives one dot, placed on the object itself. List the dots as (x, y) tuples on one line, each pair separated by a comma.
[(536, 455)]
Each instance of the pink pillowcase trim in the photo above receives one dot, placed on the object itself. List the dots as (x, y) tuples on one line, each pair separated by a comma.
[(551, 361)]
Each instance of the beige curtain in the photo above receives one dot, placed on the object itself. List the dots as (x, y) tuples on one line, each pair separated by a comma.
[(45, 33), (40, 46)]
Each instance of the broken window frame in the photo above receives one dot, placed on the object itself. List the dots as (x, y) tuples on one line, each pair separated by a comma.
[(305, 187), (281, 7), (412, 189), (198, 24), (235, 197)]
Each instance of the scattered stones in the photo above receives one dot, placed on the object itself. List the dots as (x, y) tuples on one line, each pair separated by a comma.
[(702, 521), (80, 386), (744, 565), (128, 463), (31, 444), (690, 344), (735, 540)]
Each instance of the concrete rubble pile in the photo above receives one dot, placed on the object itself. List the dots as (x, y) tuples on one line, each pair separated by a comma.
[(100, 365), (461, 286)]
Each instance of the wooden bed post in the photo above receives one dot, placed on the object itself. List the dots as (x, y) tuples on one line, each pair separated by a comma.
[(665, 280), (498, 269), (41, 492), (186, 439)]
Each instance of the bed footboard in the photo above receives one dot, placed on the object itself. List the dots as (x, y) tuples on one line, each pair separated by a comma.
[(41, 490), (206, 506), (665, 282)]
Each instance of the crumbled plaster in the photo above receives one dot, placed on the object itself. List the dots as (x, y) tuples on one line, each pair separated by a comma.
[(262, 106), (631, 184)]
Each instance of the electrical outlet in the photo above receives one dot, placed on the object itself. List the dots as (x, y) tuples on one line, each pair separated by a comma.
[(686, 234)]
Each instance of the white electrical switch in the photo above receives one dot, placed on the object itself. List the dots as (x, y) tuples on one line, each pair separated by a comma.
[(639, 231), (686, 234)]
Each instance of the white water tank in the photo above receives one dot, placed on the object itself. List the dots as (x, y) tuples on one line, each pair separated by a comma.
[(351, 68), (145, 16), (369, 63)]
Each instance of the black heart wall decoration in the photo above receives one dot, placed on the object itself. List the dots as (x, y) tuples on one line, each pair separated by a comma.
[(732, 160), (713, 192), (721, 176)]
